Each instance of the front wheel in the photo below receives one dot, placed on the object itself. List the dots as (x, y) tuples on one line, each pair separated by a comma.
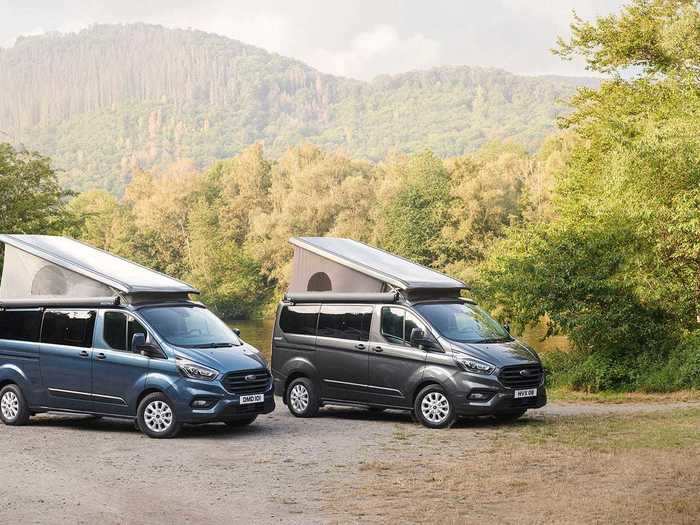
[(302, 398), (13, 407), (433, 407), (156, 417)]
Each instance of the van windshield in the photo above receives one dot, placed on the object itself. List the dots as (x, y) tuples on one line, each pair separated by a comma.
[(464, 323), (190, 327)]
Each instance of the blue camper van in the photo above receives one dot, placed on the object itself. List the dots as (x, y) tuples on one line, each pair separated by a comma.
[(83, 331)]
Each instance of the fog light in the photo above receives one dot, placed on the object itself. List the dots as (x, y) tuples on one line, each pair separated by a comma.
[(202, 403), (480, 395)]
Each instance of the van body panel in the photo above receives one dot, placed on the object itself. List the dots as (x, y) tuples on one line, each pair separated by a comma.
[(66, 373), (97, 379), (396, 369)]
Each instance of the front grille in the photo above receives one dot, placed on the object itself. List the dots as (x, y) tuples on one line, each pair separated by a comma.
[(258, 381), (512, 377)]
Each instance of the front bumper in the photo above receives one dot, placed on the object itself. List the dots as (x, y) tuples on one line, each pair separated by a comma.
[(224, 405), (503, 398)]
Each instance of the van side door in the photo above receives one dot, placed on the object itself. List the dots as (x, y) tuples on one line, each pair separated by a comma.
[(342, 344), (66, 358), (118, 373), (395, 366)]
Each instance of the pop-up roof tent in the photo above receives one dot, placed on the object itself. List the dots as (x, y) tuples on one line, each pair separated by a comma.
[(43, 268), (328, 264)]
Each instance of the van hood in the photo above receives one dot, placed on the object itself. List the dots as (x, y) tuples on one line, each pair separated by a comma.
[(498, 354), (228, 359)]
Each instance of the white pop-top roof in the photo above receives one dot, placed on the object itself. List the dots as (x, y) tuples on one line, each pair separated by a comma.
[(378, 264), (97, 265)]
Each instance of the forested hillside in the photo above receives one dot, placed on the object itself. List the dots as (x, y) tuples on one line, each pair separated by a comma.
[(112, 99)]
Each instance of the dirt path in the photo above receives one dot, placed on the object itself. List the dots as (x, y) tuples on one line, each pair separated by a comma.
[(70, 469)]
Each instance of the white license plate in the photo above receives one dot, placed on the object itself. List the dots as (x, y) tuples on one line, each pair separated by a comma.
[(252, 398), (529, 392)]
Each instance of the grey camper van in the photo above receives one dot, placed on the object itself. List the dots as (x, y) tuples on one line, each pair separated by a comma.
[(83, 331), (360, 326)]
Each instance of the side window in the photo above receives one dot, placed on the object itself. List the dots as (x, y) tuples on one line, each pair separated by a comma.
[(114, 332), (392, 324), (119, 330), (299, 319), (68, 328), (134, 327), (413, 322), (20, 325), (345, 322)]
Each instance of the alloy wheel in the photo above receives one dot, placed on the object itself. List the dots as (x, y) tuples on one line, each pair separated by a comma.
[(9, 405), (299, 398), (435, 407), (158, 416)]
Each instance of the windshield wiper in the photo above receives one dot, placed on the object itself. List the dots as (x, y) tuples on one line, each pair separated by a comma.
[(212, 345), (494, 340)]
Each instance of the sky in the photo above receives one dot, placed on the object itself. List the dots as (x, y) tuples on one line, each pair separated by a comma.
[(357, 38)]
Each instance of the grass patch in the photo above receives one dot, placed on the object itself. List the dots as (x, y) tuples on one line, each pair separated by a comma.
[(668, 430), (567, 394)]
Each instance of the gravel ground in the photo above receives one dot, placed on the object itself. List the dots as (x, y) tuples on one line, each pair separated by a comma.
[(74, 469)]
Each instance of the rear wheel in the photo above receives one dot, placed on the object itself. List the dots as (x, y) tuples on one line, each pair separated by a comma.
[(13, 407), (156, 417), (240, 422), (433, 408), (510, 415), (302, 398)]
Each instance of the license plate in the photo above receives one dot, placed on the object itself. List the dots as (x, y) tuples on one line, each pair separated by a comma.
[(252, 398), (529, 392)]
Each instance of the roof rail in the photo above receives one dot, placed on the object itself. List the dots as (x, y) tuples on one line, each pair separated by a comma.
[(331, 297), (68, 302)]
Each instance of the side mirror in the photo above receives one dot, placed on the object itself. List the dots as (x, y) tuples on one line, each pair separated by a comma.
[(236, 331), (419, 339), (140, 346), (506, 326)]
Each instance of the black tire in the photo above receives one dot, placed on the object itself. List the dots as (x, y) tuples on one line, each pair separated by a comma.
[(302, 398), (158, 415), (439, 410), (15, 410), (241, 421), (510, 415)]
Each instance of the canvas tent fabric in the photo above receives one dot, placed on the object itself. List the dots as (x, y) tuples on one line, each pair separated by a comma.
[(330, 264), (50, 267)]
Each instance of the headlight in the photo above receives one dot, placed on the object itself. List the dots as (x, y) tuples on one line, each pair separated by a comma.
[(194, 370), (474, 365)]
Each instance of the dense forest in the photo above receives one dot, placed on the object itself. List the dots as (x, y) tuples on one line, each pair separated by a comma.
[(596, 232), (111, 99)]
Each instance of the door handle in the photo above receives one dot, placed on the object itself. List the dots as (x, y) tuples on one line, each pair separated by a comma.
[(101, 356), (378, 349), (84, 353), (360, 346)]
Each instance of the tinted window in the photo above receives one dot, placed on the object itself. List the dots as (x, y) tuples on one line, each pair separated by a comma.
[(20, 325), (134, 328), (299, 319), (392, 323), (345, 322), (115, 330), (68, 328), (411, 323)]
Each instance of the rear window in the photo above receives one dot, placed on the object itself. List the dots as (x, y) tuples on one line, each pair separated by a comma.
[(20, 325), (345, 322), (70, 328), (299, 319)]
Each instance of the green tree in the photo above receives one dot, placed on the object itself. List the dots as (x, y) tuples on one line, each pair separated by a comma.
[(31, 200)]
